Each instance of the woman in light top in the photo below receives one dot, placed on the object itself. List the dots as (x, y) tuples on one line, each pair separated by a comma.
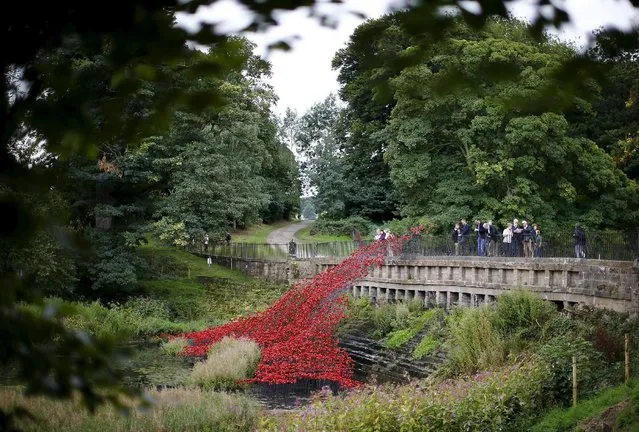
[(507, 236)]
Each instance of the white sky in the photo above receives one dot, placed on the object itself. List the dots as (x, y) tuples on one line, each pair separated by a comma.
[(303, 75)]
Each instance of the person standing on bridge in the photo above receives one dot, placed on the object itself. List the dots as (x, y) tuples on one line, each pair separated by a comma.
[(580, 241)]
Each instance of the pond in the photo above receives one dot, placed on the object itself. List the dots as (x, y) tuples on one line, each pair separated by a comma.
[(148, 366)]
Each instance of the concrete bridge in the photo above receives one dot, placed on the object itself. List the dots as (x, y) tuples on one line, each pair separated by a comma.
[(450, 281)]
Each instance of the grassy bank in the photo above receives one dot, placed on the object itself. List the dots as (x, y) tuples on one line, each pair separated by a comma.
[(591, 410), (181, 293), (175, 410)]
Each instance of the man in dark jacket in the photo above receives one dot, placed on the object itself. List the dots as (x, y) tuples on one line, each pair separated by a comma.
[(464, 236), (580, 241)]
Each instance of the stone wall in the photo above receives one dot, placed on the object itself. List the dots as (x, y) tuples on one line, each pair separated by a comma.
[(470, 281), (271, 270)]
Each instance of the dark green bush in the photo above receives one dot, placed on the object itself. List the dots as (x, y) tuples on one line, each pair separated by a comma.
[(342, 227)]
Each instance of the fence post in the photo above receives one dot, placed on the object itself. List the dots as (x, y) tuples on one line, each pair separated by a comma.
[(627, 355), (574, 380)]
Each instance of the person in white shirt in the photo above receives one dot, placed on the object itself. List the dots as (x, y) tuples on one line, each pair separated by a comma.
[(507, 238)]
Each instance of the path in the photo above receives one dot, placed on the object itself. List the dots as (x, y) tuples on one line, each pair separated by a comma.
[(282, 236)]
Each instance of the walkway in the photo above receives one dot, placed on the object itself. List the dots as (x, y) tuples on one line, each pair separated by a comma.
[(283, 236)]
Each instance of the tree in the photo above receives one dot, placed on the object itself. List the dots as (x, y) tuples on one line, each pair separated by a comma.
[(498, 147), (139, 43), (319, 144)]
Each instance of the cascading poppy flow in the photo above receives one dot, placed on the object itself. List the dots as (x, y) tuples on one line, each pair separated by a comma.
[(297, 333)]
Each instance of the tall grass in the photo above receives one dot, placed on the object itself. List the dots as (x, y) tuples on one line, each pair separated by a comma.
[(229, 361), (175, 410), (503, 400), (474, 343)]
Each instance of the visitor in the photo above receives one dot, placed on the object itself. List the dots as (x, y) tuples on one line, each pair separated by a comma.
[(538, 239), (518, 235), (357, 238), (480, 230), (507, 238), (493, 239), (206, 243), (455, 236), (209, 261), (228, 238), (528, 238), (464, 236), (580, 241)]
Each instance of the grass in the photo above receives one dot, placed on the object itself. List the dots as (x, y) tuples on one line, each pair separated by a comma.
[(185, 295), (304, 235), (229, 361), (215, 294), (567, 419), (175, 409), (259, 233), (174, 346)]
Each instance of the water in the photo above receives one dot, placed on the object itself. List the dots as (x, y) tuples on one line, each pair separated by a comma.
[(148, 367)]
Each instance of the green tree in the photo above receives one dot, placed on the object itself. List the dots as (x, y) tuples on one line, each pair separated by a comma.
[(497, 144), (319, 137)]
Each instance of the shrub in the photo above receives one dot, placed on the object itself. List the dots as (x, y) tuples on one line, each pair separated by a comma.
[(343, 227), (556, 357), (504, 400), (229, 361), (474, 342), (522, 315), (174, 346)]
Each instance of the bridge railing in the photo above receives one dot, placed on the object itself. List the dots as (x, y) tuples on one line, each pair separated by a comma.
[(599, 245)]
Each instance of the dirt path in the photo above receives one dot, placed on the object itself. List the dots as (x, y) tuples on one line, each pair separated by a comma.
[(284, 235)]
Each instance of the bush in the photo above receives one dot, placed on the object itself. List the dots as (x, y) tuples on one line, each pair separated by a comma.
[(137, 318), (174, 346), (474, 343), (343, 227), (176, 409), (556, 357), (229, 361), (504, 400)]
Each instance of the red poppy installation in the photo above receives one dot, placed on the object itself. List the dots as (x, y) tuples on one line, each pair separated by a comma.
[(297, 333)]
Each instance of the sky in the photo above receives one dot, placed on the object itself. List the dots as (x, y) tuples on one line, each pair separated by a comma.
[(303, 76)]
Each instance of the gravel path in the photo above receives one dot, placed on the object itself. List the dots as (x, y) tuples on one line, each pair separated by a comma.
[(284, 235)]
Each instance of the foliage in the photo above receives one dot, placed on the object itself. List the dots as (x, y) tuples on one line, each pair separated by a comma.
[(504, 400), (628, 419), (137, 318), (176, 409), (425, 347), (229, 363), (474, 344), (497, 146), (341, 227), (416, 324), (566, 419), (174, 346), (318, 140), (76, 88)]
